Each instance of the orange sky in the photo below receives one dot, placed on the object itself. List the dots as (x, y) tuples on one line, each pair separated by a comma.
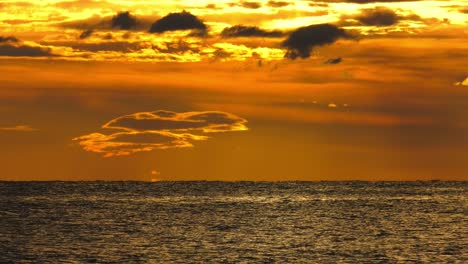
[(246, 90)]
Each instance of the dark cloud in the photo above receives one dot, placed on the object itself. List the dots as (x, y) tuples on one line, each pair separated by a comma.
[(221, 54), (382, 17), (463, 10), (212, 6), (177, 47), (8, 39), (277, 3), (333, 61), (301, 41), (23, 51), (251, 5), (178, 21), (427, 21), (249, 31), (86, 34), (11, 46), (124, 20), (108, 36), (378, 16), (318, 4)]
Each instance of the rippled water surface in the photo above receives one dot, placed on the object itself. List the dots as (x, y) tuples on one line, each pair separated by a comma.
[(244, 222)]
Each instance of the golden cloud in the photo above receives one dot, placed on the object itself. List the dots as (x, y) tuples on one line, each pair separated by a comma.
[(464, 82), (147, 131)]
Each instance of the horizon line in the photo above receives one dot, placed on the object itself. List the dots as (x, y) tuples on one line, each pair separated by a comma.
[(231, 181)]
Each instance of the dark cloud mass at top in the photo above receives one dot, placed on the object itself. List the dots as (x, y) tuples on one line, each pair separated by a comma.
[(124, 20), (379, 16), (178, 21), (301, 41), (249, 31)]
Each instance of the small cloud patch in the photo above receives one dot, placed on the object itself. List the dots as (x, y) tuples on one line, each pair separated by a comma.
[(333, 61), (251, 5), (277, 3), (19, 128), (86, 34)]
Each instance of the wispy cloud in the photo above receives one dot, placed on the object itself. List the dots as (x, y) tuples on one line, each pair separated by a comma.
[(147, 131), (19, 128)]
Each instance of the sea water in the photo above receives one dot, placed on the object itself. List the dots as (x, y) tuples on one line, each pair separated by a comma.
[(233, 222)]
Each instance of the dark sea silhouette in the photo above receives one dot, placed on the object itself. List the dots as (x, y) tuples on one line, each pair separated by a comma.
[(233, 222)]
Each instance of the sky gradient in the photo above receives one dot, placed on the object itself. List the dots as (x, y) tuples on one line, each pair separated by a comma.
[(234, 90)]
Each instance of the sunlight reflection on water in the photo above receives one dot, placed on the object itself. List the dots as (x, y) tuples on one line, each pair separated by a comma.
[(300, 222)]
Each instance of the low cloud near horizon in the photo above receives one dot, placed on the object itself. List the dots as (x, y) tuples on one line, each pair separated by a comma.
[(19, 128), (146, 131)]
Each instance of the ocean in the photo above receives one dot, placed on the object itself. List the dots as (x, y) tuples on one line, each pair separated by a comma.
[(233, 222)]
